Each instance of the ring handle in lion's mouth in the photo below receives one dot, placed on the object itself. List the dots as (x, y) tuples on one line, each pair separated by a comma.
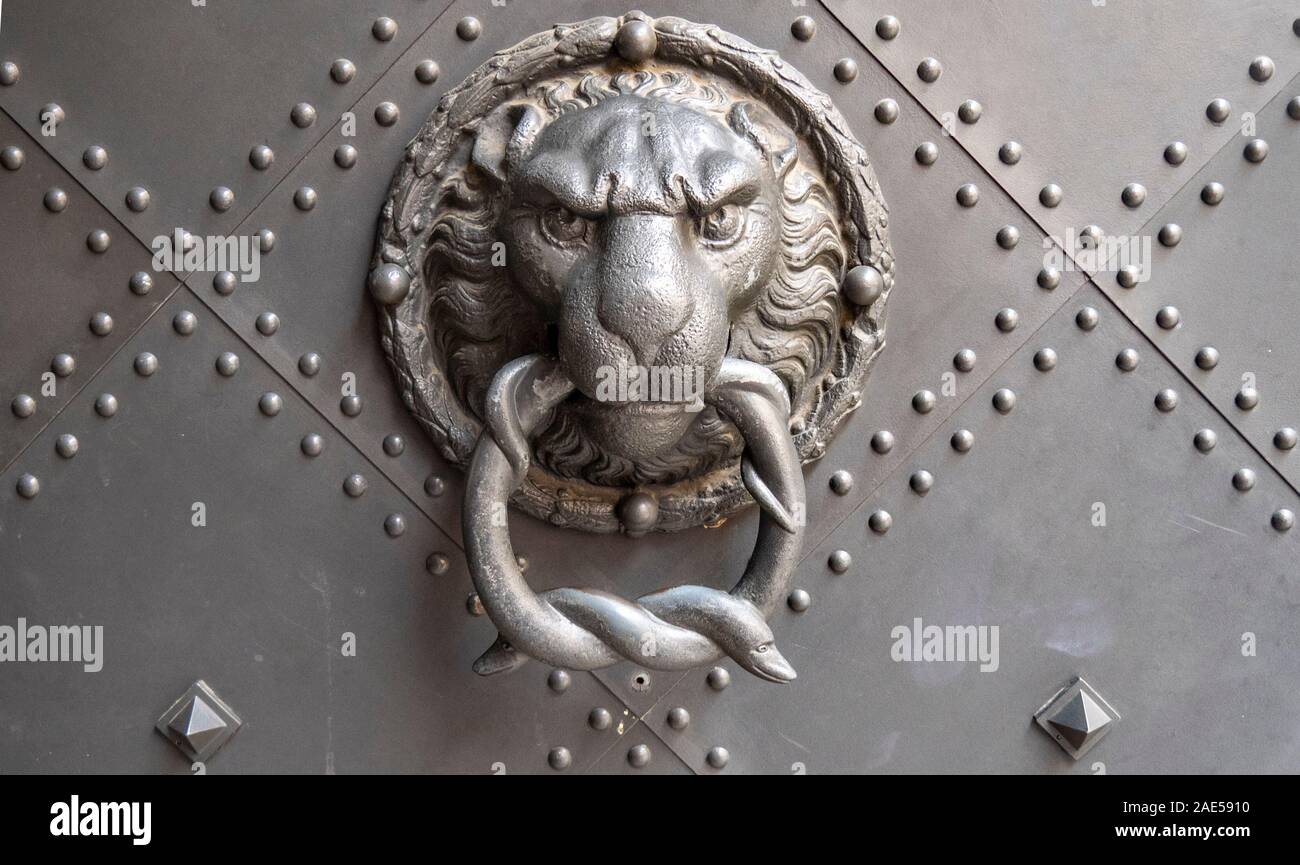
[(674, 629)]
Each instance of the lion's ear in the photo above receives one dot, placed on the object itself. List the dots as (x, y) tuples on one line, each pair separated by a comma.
[(504, 137), (760, 127)]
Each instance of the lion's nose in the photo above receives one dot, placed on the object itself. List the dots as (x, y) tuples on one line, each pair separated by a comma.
[(647, 286)]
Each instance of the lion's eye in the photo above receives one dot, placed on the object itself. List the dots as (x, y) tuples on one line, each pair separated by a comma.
[(723, 226), (564, 227)]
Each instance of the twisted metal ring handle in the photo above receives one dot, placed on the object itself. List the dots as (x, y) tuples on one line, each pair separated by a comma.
[(674, 629)]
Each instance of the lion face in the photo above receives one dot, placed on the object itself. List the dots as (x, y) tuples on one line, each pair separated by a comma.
[(641, 230)]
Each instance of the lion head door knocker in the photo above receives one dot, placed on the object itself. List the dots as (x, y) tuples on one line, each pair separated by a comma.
[(632, 273)]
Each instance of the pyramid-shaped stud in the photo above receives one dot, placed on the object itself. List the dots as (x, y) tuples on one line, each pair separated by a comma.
[(199, 723), (1076, 718)]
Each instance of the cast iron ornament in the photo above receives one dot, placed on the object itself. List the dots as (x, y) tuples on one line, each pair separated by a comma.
[(646, 202)]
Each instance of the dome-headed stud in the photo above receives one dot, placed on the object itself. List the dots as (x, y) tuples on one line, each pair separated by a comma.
[(389, 284), (636, 41), (863, 285), (638, 512)]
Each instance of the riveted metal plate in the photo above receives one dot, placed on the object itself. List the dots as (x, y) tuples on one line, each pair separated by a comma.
[(53, 285), (1242, 304), (1093, 92), (1178, 603)]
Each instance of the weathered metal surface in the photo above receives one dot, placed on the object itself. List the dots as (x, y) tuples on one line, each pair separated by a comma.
[(1175, 610)]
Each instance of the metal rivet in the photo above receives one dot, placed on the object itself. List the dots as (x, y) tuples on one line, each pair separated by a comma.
[(63, 365), (437, 564), (227, 363), (28, 486), (923, 401), (1285, 438), (261, 157), (434, 486), (1090, 236), (969, 111), (718, 757), (1168, 317), (387, 113), (841, 483), (185, 322), (839, 561), (600, 719), (55, 200), (303, 115), (474, 605), (1170, 234), (1207, 357), (921, 482), (221, 199), (803, 28), (98, 241), (355, 485), (558, 680), (67, 446), (718, 678), (140, 283), (12, 158), (469, 28), (964, 360), (1050, 195), (882, 442), (1293, 108), (1255, 150), (1167, 399), (1212, 192), (927, 153), (1218, 110), (929, 70), (679, 718), (846, 69), (1205, 440), (559, 759), (309, 364), (223, 283), (384, 29), (886, 110), (1133, 195), (1008, 236), (394, 444), (105, 405), (887, 27), (1010, 152), (1128, 275), (426, 72), (799, 601), (345, 156), (137, 199), (23, 405), (862, 285), (343, 70), (968, 194), (1004, 400), (1282, 520), (270, 404), (962, 440), (638, 756), (304, 198), (267, 323), (1127, 360), (1176, 153), (1044, 360), (145, 364), (1243, 480), (9, 74), (101, 324), (394, 525), (389, 284), (350, 405), (312, 444), (265, 240), (95, 157), (880, 521), (1049, 278), (1261, 68), (1247, 398), (1007, 319)]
